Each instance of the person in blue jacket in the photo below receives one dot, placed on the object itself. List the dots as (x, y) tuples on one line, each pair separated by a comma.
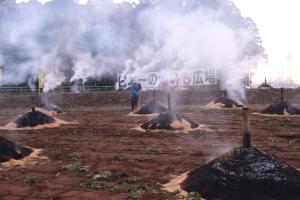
[(135, 94)]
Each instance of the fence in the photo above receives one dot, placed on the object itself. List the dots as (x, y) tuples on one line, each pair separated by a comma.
[(79, 88)]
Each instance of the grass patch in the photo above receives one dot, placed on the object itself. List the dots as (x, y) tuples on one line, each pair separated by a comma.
[(32, 180), (130, 180), (77, 168), (192, 196), (142, 158), (153, 149)]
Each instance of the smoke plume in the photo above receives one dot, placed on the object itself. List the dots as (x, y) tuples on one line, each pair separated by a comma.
[(68, 41)]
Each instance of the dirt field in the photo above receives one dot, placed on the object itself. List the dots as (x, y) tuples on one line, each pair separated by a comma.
[(101, 156)]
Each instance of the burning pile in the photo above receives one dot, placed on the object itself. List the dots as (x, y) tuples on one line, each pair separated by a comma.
[(281, 107), (170, 120), (265, 86), (33, 118), (224, 102), (150, 108), (245, 173), (10, 150)]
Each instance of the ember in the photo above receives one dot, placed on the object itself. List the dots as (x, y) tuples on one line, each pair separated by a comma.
[(9, 150), (245, 173), (33, 118), (170, 120), (151, 108)]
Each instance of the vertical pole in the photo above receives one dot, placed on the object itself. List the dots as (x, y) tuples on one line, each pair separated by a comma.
[(281, 94), (169, 102), (154, 95), (265, 80), (225, 93), (246, 128)]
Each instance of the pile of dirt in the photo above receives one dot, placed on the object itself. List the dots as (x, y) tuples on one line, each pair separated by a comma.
[(247, 174), (10, 150), (150, 108), (33, 118), (281, 108), (170, 120)]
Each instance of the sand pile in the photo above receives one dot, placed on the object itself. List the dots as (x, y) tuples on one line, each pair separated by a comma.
[(281, 108), (150, 108), (245, 174), (224, 102), (33, 118), (170, 120), (10, 150)]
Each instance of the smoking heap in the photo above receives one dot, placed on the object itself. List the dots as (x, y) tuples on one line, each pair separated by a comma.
[(281, 107), (151, 107), (245, 173), (10, 150), (170, 120), (225, 102), (33, 118)]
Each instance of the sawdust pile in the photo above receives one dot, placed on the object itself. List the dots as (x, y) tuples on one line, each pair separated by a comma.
[(245, 174)]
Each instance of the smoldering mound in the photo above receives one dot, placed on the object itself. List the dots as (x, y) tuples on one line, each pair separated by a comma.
[(223, 102), (151, 107), (170, 120), (245, 173), (10, 150), (281, 108), (33, 118)]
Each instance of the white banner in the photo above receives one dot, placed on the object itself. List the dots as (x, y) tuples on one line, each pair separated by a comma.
[(150, 80)]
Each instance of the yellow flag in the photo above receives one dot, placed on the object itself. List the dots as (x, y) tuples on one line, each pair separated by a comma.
[(41, 80)]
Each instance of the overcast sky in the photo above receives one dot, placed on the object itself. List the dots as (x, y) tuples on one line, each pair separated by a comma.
[(277, 22)]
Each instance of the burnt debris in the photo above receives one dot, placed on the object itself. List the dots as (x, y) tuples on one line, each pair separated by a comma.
[(33, 118), (245, 174), (10, 150), (151, 107), (166, 120)]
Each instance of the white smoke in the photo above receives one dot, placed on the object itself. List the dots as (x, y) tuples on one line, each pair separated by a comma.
[(69, 42)]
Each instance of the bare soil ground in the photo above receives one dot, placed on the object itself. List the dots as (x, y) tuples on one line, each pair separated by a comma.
[(102, 156)]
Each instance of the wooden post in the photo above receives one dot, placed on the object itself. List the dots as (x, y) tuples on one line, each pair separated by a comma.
[(169, 102), (281, 94), (33, 109), (225, 93), (246, 128), (154, 95)]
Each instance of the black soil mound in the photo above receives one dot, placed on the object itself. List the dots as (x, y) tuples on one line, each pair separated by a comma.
[(228, 103), (166, 120), (151, 108), (33, 118), (245, 174), (265, 86), (9, 150), (281, 108)]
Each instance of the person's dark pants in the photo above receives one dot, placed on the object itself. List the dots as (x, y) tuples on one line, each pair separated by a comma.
[(134, 102)]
